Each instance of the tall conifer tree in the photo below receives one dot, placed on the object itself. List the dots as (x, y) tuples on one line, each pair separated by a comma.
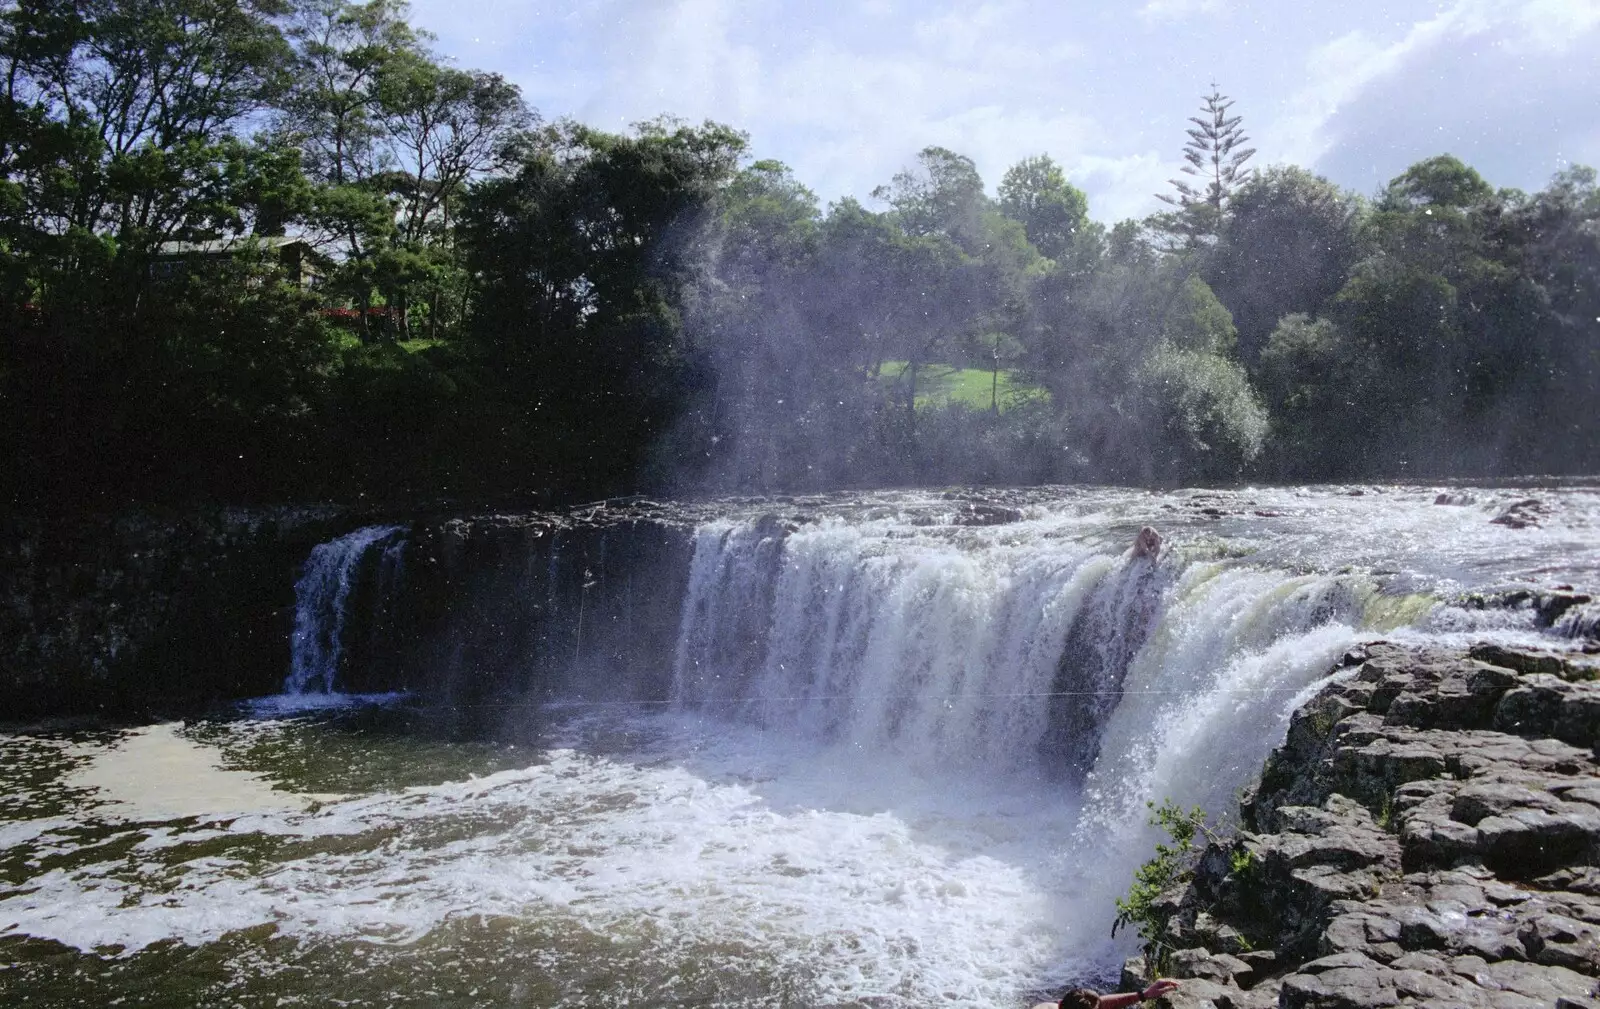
[(1215, 154)]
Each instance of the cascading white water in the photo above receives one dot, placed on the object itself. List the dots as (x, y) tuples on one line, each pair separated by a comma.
[(996, 651), (322, 598), (1042, 650)]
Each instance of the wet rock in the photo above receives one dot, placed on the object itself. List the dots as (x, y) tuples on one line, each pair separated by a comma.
[(1521, 514), (1428, 834), (1571, 666), (1477, 800), (1525, 843), (1340, 981), (1202, 963), (977, 513), (1540, 984), (1560, 941)]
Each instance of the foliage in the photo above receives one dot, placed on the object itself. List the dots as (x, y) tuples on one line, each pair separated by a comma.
[(504, 306), (1036, 193), (1215, 154), (1286, 246), (1174, 863)]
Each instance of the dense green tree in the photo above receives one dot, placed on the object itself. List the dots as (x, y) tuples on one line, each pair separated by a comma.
[(1448, 325), (1562, 226), (1054, 213), (1287, 246), (137, 101), (580, 259), (940, 194), (395, 136), (613, 312)]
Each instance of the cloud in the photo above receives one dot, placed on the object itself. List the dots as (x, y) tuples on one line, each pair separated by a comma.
[(1339, 71), (1121, 187), (1164, 11), (1508, 88), (847, 94)]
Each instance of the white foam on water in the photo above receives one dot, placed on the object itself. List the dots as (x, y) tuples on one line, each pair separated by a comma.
[(154, 773), (944, 893)]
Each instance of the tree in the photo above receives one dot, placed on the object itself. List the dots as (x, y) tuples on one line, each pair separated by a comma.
[(581, 260), (127, 109), (1215, 155), (343, 53), (1036, 193), (1313, 382), (395, 136), (1287, 245), (1203, 417), (941, 194), (1563, 259), (1448, 328)]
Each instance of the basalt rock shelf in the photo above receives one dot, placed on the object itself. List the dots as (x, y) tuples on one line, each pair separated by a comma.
[(1428, 834)]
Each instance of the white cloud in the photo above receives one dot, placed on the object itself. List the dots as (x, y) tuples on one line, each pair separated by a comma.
[(1163, 11), (1343, 70), (847, 94), (1514, 101), (1336, 73), (1556, 24), (1121, 187)]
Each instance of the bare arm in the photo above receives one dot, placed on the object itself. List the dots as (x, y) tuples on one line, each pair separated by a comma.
[(1132, 998)]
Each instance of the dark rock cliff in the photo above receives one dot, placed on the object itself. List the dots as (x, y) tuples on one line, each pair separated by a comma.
[(147, 611), (1428, 834)]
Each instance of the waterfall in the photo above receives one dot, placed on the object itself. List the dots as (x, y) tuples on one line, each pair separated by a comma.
[(1038, 651), (323, 601), (1019, 650)]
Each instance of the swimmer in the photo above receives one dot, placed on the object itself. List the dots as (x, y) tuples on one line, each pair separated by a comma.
[(1147, 543)]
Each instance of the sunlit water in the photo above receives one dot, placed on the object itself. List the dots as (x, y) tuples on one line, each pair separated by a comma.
[(904, 763)]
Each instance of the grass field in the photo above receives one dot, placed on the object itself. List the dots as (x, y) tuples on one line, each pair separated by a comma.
[(943, 384)]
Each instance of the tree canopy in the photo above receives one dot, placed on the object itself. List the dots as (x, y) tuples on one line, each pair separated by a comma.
[(279, 249)]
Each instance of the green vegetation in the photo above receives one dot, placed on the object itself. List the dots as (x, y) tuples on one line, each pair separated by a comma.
[(1172, 865), (942, 385), (319, 261)]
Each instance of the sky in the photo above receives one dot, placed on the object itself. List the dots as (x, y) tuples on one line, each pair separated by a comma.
[(847, 93)]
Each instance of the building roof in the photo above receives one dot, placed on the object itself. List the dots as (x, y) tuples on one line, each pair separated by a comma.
[(217, 246)]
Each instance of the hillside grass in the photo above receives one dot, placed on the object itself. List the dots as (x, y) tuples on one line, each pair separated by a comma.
[(944, 384)]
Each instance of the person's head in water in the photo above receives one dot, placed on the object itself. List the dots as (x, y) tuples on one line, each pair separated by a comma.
[(1147, 543), (1080, 998)]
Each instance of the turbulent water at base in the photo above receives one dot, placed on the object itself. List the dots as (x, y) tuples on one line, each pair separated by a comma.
[(904, 761), (322, 603)]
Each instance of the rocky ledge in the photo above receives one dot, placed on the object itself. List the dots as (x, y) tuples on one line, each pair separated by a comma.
[(1427, 835)]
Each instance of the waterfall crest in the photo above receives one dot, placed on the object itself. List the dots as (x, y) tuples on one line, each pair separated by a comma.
[(989, 651)]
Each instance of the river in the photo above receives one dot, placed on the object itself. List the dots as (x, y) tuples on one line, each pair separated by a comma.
[(904, 760)]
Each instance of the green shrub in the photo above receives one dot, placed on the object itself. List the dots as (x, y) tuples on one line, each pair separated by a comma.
[(1174, 863)]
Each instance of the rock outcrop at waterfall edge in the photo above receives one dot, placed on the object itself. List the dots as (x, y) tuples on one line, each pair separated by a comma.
[(1427, 835)]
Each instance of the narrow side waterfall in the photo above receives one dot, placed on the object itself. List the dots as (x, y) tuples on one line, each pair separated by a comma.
[(323, 598)]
